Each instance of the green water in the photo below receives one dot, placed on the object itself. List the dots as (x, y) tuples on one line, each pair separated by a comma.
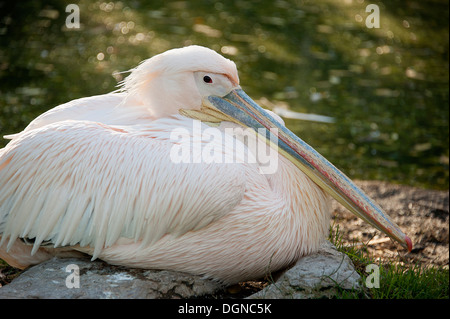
[(387, 88)]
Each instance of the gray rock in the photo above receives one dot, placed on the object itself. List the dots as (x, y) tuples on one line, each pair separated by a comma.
[(314, 276), (318, 275), (98, 280)]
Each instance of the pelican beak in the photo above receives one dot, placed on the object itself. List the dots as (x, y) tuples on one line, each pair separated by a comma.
[(238, 107)]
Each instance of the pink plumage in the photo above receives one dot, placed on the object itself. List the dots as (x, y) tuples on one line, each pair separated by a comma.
[(95, 175)]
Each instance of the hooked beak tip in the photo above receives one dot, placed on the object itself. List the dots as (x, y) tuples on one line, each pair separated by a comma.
[(408, 243)]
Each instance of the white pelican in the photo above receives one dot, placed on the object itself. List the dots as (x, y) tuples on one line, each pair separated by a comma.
[(95, 175)]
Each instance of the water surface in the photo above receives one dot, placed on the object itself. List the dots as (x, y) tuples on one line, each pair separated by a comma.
[(386, 88)]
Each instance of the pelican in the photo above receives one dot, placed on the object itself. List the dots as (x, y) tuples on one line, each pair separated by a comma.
[(97, 176)]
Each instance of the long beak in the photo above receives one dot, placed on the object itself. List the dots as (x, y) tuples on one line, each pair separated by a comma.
[(238, 107)]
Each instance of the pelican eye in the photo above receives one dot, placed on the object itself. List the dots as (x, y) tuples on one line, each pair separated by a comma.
[(207, 79)]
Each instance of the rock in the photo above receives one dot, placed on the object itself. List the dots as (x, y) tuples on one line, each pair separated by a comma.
[(98, 280), (314, 276)]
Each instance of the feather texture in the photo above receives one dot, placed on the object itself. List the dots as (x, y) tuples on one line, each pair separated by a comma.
[(89, 184), (97, 175)]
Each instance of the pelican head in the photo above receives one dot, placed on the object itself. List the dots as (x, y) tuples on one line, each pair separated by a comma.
[(204, 85), (181, 79)]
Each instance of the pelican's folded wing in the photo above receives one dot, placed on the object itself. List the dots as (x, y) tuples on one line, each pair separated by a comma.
[(86, 183)]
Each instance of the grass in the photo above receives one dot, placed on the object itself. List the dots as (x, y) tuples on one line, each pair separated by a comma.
[(7, 273), (396, 279)]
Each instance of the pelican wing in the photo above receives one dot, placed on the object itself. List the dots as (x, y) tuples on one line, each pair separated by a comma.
[(86, 183), (106, 108)]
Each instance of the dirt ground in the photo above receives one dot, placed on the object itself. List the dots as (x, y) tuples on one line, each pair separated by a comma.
[(422, 214)]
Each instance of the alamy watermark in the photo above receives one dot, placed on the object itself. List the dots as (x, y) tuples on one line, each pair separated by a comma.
[(373, 279), (73, 280), (207, 145), (73, 18), (373, 19)]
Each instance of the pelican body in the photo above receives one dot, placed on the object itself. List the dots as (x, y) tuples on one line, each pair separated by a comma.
[(97, 175)]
